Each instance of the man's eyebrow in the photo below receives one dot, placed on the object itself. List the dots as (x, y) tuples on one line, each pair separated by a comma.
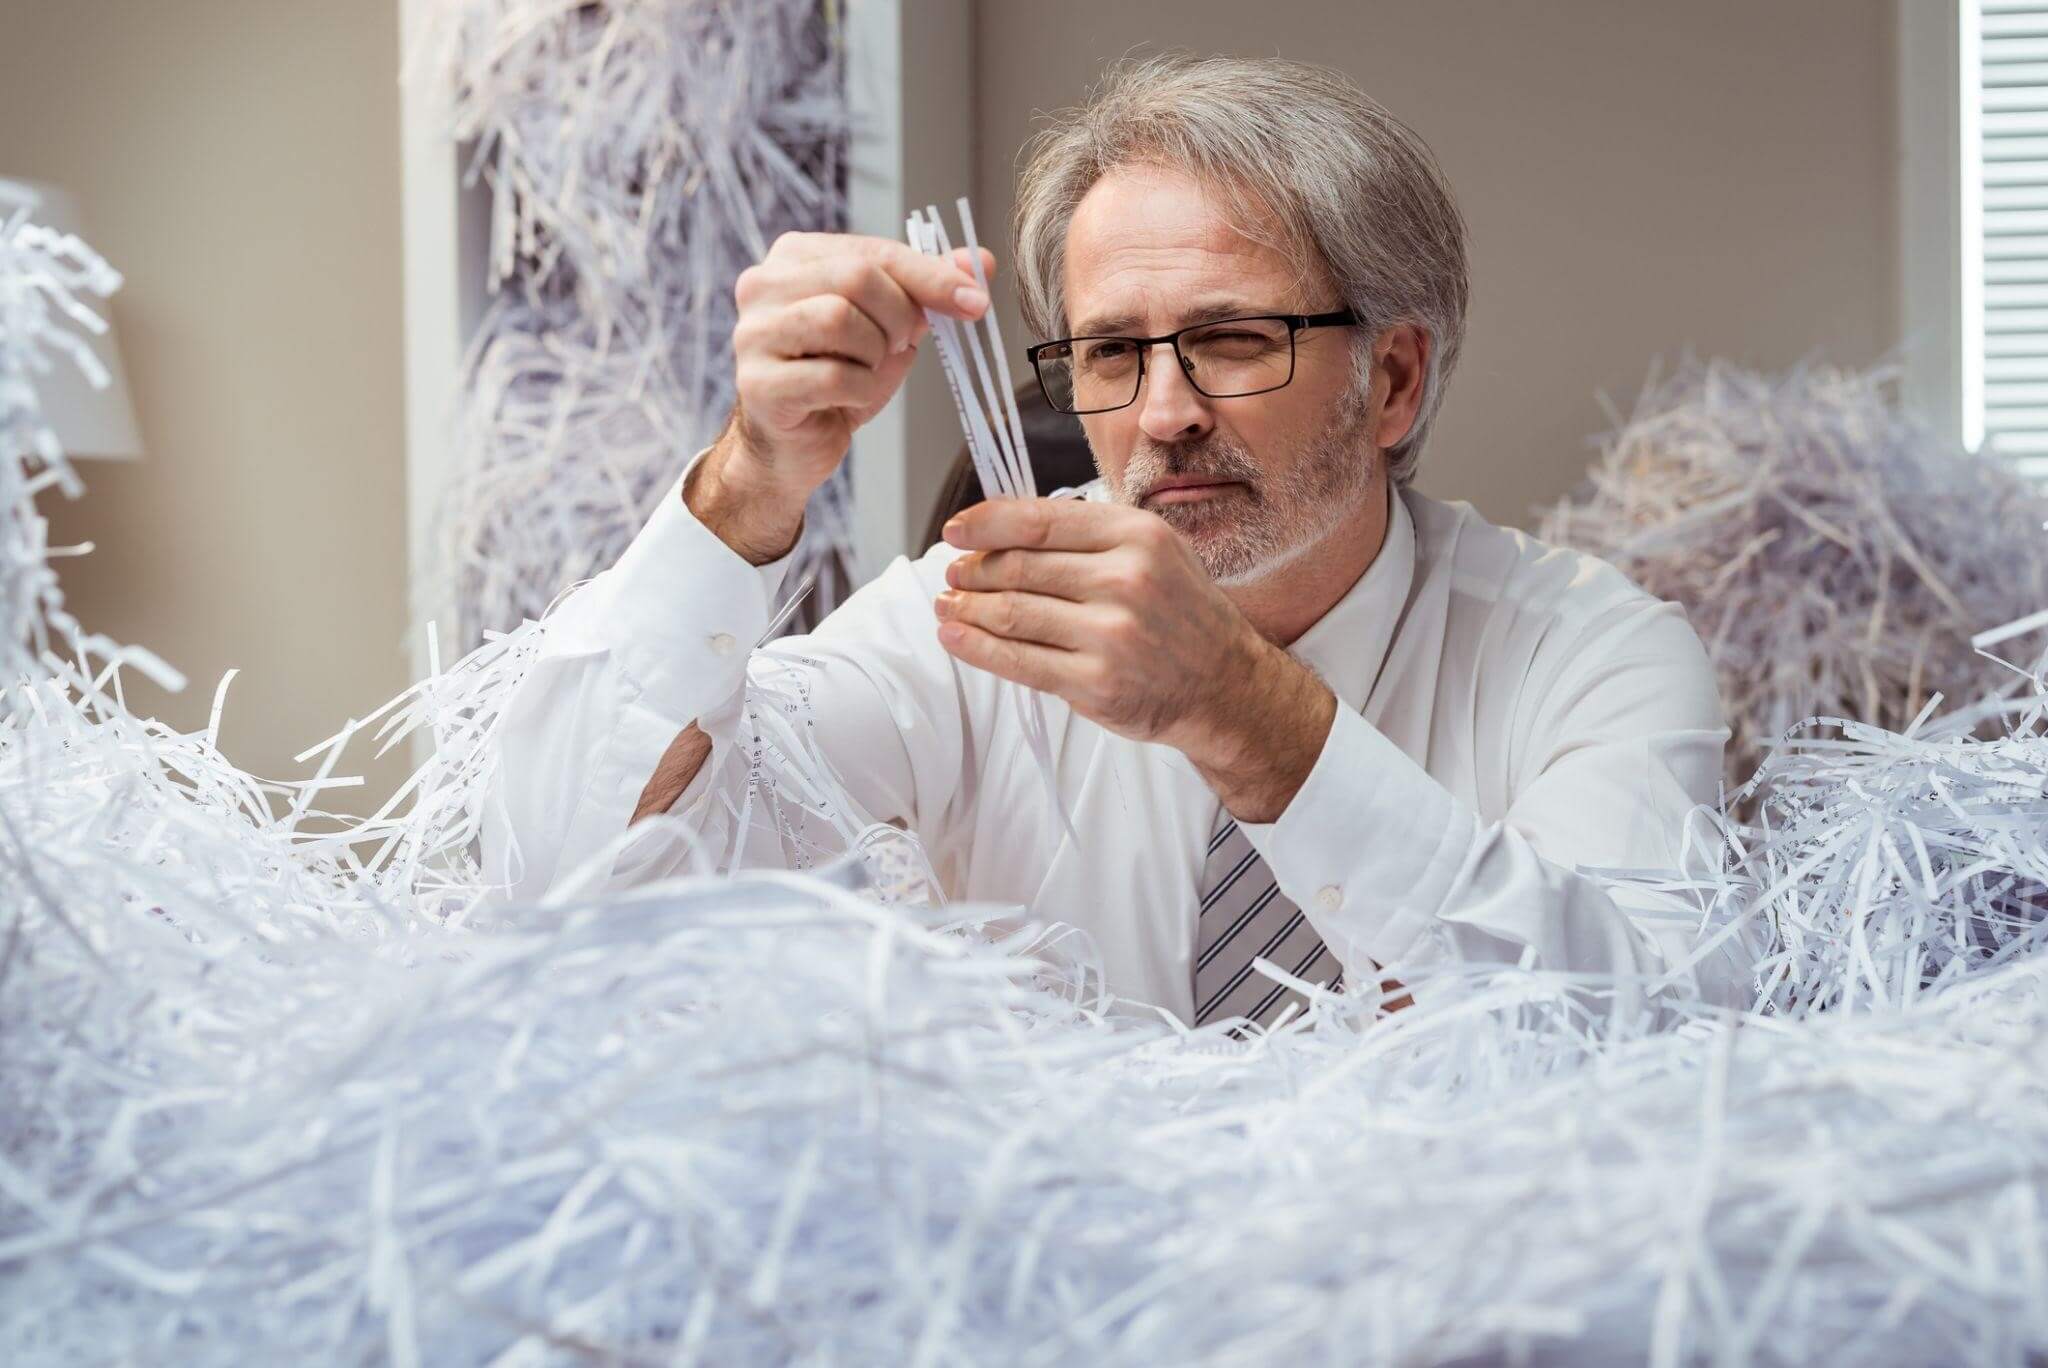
[(1107, 325), (1127, 324)]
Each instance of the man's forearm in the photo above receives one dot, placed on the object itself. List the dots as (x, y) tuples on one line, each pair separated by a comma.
[(672, 774), (728, 492)]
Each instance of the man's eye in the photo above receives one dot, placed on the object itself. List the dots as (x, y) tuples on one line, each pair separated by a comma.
[(1103, 353)]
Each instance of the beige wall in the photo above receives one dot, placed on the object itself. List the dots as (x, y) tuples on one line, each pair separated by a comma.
[(238, 160), (1637, 177)]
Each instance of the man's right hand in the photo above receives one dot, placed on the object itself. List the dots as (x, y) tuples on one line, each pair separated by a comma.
[(828, 327)]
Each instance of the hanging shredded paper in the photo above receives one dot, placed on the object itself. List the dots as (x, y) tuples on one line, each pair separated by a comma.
[(639, 157)]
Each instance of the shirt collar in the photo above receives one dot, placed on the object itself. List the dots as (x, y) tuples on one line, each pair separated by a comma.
[(1347, 644)]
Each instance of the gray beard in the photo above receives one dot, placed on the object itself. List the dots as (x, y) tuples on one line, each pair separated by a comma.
[(1249, 533)]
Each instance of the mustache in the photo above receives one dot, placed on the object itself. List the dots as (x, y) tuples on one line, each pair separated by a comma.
[(1208, 457)]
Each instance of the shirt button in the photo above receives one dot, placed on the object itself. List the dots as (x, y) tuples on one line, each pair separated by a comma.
[(722, 642), (1329, 897)]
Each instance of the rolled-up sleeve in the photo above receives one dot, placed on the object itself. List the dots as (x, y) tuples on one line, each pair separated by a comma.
[(1393, 869)]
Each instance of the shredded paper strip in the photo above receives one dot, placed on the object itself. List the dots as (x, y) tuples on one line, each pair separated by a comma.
[(276, 1087)]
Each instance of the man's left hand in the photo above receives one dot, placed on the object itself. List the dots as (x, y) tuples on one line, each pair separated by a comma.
[(1104, 606)]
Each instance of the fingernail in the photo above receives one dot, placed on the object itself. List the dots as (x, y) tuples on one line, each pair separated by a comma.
[(951, 633), (955, 525), (946, 604), (970, 298)]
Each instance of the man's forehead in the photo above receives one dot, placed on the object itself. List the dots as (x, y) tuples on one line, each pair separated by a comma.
[(1167, 311), (1149, 247)]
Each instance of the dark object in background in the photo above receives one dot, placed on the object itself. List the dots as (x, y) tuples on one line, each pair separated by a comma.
[(1059, 457)]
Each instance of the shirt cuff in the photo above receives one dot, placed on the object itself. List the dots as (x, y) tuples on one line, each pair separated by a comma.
[(679, 612), (1369, 846)]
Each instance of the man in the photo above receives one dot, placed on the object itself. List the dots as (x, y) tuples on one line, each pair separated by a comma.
[(1298, 710)]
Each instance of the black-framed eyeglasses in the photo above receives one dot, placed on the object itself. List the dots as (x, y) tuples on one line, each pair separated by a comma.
[(1226, 358)]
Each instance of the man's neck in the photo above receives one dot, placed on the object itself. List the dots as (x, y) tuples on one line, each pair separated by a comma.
[(1293, 599)]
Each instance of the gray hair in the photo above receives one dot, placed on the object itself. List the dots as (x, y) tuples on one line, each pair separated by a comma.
[(1358, 200)]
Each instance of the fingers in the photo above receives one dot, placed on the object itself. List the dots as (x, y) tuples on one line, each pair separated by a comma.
[(932, 282), (941, 283), (1017, 616), (822, 325), (880, 296), (1044, 668), (828, 327), (891, 281), (1052, 525), (827, 244), (963, 258), (768, 291), (782, 392), (1062, 574)]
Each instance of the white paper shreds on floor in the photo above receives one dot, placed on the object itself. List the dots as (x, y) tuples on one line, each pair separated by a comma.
[(639, 156), (1833, 553), (268, 1095)]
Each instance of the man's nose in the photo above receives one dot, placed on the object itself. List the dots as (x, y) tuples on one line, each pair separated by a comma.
[(1171, 408)]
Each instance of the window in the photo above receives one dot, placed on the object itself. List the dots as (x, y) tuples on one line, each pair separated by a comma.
[(2002, 120), (1973, 222)]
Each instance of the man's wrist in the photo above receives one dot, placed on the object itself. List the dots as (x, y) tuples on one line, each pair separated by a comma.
[(755, 516), (1261, 743)]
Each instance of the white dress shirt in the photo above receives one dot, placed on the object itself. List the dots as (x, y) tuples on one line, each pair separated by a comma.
[(1508, 713)]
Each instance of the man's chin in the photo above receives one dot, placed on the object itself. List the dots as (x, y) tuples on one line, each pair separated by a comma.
[(1215, 530), (1227, 556), (1201, 518), (1236, 555)]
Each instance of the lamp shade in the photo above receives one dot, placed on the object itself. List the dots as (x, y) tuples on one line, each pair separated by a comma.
[(88, 422)]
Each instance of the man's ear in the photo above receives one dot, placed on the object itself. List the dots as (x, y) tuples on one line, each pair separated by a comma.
[(1400, 361)]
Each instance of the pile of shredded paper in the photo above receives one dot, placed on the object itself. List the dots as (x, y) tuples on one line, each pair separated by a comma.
[(276, 1092), (1834, 554), (639, 156)]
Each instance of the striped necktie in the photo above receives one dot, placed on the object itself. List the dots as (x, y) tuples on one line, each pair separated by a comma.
[(1245, 915)]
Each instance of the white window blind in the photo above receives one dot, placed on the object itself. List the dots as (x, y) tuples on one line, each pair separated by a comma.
[(2004, 124)]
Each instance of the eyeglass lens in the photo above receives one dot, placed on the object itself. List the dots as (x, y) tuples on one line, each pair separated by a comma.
[(1235, 357)]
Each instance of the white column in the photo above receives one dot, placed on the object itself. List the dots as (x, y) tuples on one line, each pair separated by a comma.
[(445, 244), (1931, 248)]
